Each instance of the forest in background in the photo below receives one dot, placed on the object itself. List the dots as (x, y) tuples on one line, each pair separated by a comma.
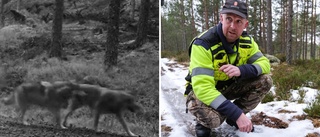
[(288, 29)]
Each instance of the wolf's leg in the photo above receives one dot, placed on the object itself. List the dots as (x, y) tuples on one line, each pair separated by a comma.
[(22, 106), (96, 115), (21, 115), (64, 123), (71, 107), (57, 115), (124, 124)]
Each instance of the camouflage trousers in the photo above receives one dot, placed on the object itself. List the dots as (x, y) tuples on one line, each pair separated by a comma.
[(247, 94)]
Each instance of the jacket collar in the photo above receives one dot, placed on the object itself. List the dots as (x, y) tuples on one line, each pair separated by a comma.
[(227, 47)]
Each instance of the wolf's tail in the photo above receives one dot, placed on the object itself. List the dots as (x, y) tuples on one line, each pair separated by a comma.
[(8, 100)]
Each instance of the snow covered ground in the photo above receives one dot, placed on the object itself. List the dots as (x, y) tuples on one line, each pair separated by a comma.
[(173, 115)]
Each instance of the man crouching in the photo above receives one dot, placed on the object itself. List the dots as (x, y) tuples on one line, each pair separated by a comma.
[(226, 64)]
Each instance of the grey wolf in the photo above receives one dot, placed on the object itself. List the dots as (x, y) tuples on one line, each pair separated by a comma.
[(102, 101), (53, 96)]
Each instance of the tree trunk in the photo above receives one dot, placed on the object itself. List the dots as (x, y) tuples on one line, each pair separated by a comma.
[(302, 30), (206, 15), (289, 33), (255, 22), (306, 30), (312, 50), (269, 28), (302, 34), (283, 26), (111, 55), (296, 52), (133, 7), (18, 4), (261, 27), (56, 46), (313, 36), (142, 24), (194, 31), (2, 13), (216, 12), (314, 24), (183, 28)]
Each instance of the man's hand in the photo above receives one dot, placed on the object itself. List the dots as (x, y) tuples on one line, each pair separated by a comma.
[(244, 123), (230, 70)]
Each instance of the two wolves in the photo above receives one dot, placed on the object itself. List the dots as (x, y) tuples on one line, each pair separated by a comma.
[(102, 101), (53, 96)]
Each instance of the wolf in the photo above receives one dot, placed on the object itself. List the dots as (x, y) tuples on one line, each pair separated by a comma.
[(53, 96), (102, 100)]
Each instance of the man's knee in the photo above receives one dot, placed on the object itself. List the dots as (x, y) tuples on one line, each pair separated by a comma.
[(264, 83), (205, 115)]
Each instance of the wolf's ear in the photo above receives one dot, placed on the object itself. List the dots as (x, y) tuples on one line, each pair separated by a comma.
[(72, 84), (73, 81), (62, 89), (45, 83), (79, 92)]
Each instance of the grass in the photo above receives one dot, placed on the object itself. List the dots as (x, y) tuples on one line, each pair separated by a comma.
[(54, 69), (140, 75), (302, 94), (269, 97), (313, 109), (182, 56), (301, 73), (287, 77)]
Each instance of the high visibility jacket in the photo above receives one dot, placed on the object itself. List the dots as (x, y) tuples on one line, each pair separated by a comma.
[(208, 54)]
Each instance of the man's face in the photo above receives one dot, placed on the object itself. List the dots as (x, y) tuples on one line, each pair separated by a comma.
[(232, 26)]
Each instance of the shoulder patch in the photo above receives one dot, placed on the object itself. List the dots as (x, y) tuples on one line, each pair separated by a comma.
[(206, 40), (202, 43), (211, 37)]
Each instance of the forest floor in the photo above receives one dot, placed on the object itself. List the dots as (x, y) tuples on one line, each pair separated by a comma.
[(10, 127)]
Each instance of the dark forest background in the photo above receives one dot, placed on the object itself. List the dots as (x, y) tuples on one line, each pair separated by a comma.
[(114, 43)]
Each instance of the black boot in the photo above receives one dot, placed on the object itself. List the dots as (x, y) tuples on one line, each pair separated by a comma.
[(202, 131)]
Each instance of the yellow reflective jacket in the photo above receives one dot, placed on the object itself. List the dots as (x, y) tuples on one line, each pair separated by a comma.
[(208, 55)]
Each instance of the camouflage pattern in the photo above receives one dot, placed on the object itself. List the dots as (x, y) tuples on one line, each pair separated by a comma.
[(247, 94)]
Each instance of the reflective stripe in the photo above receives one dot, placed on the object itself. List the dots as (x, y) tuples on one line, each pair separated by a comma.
[(259, 69), (254, 57), (245, 41), (202, 71), (218, 101)]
